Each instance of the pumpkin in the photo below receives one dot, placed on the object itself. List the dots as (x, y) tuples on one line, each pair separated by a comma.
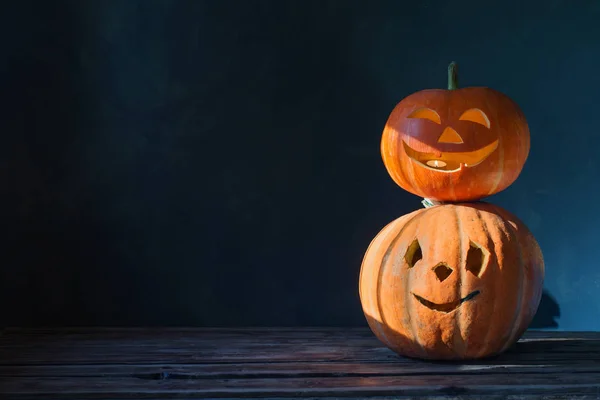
[(453, 281), (455, 145)]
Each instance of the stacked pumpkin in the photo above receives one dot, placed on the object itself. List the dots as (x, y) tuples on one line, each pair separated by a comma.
[(459, 279)]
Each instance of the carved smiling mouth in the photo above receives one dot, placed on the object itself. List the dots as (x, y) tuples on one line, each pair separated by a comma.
[(450, 162), (446, 307)]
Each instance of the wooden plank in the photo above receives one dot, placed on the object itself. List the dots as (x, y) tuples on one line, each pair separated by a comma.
[(526, 345), (247, 339), (158, 332), (200, 341), (451, 385), (154, 332), (167, 355), (144, 338), (261, 351), (89, 363), (251, 331), (287, 370), (216, 337), (528, 396)]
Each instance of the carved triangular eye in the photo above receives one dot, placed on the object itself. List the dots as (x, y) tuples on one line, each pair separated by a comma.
[(476, 259), (413, 253)]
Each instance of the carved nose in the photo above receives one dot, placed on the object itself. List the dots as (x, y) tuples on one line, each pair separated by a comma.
[(442, 271), (450, 136)]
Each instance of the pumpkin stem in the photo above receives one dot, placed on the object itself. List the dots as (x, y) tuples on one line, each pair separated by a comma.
[(452, 76)]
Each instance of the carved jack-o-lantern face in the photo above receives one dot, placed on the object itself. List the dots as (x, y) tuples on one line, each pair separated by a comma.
[(475, 262), (449, 140), (455, 145), (453, 281)]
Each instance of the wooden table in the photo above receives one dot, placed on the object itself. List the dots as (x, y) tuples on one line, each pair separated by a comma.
[(281, 363)]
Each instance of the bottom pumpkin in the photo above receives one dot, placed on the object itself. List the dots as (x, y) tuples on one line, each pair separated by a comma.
[(453, 281)]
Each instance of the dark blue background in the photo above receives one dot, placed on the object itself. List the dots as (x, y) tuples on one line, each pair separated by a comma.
[(217, 162)]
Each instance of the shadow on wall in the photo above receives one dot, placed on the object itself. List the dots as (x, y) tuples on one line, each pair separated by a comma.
[(547, 312)]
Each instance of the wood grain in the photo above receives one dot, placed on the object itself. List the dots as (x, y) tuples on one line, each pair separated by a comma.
[(174, 363)]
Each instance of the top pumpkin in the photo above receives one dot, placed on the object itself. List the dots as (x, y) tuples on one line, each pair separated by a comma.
[(457, 144)]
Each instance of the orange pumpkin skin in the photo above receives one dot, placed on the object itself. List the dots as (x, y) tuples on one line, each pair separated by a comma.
[(479, 135), (454, 281)]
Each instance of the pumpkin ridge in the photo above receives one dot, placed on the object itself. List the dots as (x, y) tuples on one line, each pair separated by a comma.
[(501, 172), (459, 341), (380, 273), (361, 293), (397, 174), (452, 191), (486, 220), (518, 313), (410, 177), (492, 249)]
